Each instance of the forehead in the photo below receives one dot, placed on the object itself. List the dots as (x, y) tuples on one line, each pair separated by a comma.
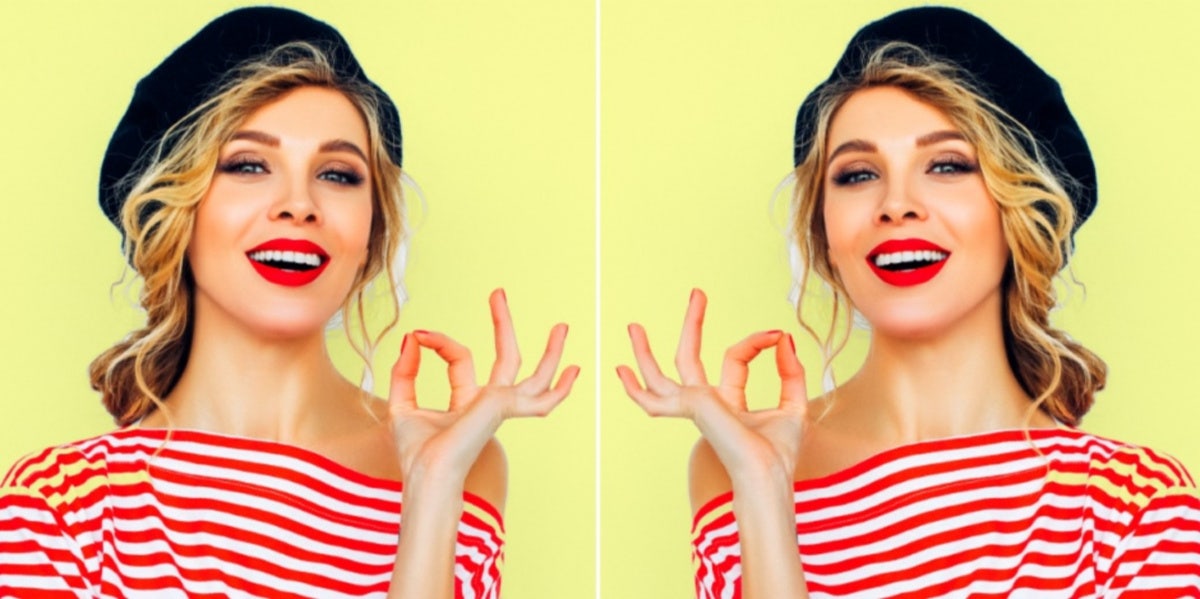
[(885, 113), (310, 114)]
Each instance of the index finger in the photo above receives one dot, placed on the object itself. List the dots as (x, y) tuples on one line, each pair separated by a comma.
[(403, 393), (735, 369), (460, 368)]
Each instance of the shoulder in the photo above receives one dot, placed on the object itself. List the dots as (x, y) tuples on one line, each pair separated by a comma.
[(488, 478), (71, 479), (60, 467), (707, 478), (1119, 464)]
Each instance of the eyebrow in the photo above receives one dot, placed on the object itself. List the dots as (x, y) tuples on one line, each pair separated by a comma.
[(333, 145), (341, 145), (860, 145)]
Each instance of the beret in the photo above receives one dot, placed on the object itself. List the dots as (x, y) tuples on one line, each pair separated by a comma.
[(195, 71), (1000, 70)]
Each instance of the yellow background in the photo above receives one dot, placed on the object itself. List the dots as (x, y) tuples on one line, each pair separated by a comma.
[(496, 101), (697, 107), (698, 101)]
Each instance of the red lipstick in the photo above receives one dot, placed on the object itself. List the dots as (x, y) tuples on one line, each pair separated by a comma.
[(288, 262), (907, 262)]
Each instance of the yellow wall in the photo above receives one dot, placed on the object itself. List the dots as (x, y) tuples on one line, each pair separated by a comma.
[(697, 108)]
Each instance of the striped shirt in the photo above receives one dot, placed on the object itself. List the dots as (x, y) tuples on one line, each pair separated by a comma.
[(130, 514), (984, 516)]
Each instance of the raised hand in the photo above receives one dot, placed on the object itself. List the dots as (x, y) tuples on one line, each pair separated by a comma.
[(446, 443), (758, 449), (745, 441)]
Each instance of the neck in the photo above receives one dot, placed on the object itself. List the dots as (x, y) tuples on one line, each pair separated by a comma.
[(241, 383), (954, 383)]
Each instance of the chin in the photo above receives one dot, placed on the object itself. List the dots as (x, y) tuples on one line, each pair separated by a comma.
[(912, 324), (285, 324)]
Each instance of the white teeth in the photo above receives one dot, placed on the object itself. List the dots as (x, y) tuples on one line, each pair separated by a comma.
[(286, 256), (909, 256)]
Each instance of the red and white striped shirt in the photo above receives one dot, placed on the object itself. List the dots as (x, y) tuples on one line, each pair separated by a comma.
[(984, 516), (131, 514)]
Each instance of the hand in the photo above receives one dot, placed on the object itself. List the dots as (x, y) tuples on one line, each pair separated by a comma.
[(750, 442), (444, 445)]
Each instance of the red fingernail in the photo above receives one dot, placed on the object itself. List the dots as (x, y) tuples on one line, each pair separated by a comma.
[(404, 344), (774, 332), (421, 332), (792, 342)]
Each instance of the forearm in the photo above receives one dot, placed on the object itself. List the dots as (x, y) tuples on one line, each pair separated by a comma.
[(424, 567), (764, 506)]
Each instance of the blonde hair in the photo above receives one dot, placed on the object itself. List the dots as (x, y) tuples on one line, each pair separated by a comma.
[(1036, 216), (158, 216)]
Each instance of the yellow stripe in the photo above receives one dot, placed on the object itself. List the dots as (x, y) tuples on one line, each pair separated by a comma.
[(719, 511), (485, 516), (54, 488)]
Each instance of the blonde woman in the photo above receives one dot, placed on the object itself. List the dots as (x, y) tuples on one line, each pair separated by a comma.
[(939, 179), (256, 181)]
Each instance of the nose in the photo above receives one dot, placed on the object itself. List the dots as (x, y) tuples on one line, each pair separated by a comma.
[(296, 203), (901, 202)]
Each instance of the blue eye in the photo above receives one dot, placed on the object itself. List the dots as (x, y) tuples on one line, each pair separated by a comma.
[(243, 166), (948, 167), (341, 177), (854, 177)]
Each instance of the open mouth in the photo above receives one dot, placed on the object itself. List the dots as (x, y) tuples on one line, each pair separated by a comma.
[(908, 260), (288, 260)]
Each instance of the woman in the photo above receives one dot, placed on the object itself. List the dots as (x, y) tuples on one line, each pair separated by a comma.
[(939, 180), (247, 464)]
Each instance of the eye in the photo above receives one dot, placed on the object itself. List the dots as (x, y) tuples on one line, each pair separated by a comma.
[(952, 166), (243, 165), (854, 176), (341, 176)]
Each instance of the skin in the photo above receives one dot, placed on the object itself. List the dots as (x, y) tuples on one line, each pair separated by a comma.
[(896, 171), (259, 366)]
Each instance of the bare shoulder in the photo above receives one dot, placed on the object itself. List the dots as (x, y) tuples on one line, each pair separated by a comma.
[(707, 477), (488, 478)]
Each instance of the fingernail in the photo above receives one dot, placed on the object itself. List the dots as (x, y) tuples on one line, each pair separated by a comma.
[(774, 331), (503, 296), (421, 332), (792, 342)]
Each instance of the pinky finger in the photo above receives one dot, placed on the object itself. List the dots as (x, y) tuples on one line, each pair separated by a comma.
[(647, 400), (549, 399)]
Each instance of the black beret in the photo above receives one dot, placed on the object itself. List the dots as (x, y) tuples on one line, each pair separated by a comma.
[(999, 69), (195, 70)]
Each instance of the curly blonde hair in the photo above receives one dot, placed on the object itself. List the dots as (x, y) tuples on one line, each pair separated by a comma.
[(158, 216), (1036, 216)]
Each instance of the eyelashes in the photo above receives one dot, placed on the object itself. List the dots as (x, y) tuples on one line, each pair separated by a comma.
[(244, 165), (250, 165), (853, 176), (341, 176), (857, 173)]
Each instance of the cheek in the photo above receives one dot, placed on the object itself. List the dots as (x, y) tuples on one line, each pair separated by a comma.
[(358, 234), (838, 236)]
